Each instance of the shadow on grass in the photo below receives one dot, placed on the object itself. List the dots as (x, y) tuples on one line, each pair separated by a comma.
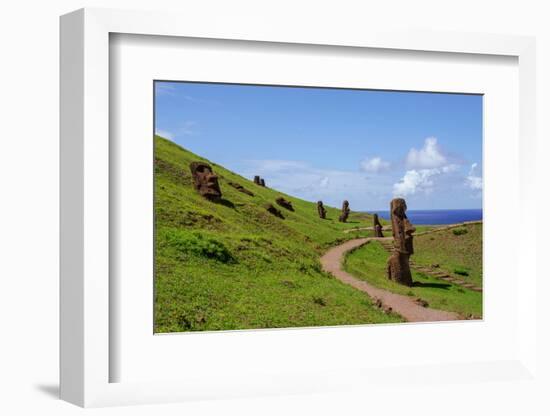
[(434, 285), (225, 203)]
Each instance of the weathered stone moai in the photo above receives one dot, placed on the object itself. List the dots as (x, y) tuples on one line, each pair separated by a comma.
[(259, 181), (272, 210), (377, 227), (345, 212), (284, 203), (240, 188), (205, 181), (321, 210), (398, 268)]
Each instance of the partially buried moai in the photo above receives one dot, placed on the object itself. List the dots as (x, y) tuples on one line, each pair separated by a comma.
[(345, 212), (377, 226), (205, 181), (398, 268), (321, 210)]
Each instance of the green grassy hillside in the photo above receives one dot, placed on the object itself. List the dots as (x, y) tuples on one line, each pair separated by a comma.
[(233, 265), (459, 251), (369, 263)]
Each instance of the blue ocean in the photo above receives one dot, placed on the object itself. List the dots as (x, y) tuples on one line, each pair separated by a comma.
[(438, 216)]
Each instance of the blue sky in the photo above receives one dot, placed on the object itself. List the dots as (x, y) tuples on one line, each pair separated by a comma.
[(334, 144)]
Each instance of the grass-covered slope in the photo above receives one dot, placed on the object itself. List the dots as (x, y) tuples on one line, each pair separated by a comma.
[(233, 265), (458, 251), (369, 263)]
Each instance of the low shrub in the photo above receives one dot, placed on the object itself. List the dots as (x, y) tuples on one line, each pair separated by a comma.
[(319, 301), (460, 231), (461, 272), (198, 244)]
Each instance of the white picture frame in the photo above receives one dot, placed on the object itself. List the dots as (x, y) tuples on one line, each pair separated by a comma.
[(86, 356)]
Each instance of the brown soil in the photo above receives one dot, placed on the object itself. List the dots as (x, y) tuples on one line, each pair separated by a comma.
[(403, 305)]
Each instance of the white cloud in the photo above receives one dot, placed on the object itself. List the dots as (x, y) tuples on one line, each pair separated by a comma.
[(374, 165), (311, 183), (420, 180), (429, 157), (188, 128), (164, 89), (474, 181), (164, 133), (275, 165)]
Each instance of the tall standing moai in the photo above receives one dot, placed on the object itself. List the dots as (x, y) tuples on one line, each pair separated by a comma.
[(377, 226), (345, 212), (262, 182), (398, 268), (321, 210)]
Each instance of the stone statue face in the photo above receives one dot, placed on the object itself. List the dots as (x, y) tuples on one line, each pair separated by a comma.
[(398, 207), (402, 228), (205, 181), (409, 230)]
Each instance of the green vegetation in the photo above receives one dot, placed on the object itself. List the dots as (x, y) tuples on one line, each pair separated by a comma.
[(459, 254), (460, 231), (233, 265), (369, 263)]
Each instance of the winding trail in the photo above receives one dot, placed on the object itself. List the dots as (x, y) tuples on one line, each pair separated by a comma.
[(401, 304)]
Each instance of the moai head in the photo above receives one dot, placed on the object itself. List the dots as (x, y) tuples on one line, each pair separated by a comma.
[(257, 180), (345, 212), (284, 203), (401, 227), (377, 226), (205, 181), (262, 182), (321, 210), (272, 210)]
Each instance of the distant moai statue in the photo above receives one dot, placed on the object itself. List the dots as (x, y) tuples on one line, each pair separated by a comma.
[(345, 212), (259, 181), (272, 210), (377, 227), (321, 210), (284, 203), (398, 268)]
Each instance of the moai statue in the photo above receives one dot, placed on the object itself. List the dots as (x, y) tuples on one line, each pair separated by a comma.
[(262, 182), (272, 210), (205, 181), (345, 212), (284, 203), (321, 210), (398, 268), (377, 227), (257, 180), (240, 188)]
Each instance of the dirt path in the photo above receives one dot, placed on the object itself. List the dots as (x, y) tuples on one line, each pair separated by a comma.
[(401, 304)]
